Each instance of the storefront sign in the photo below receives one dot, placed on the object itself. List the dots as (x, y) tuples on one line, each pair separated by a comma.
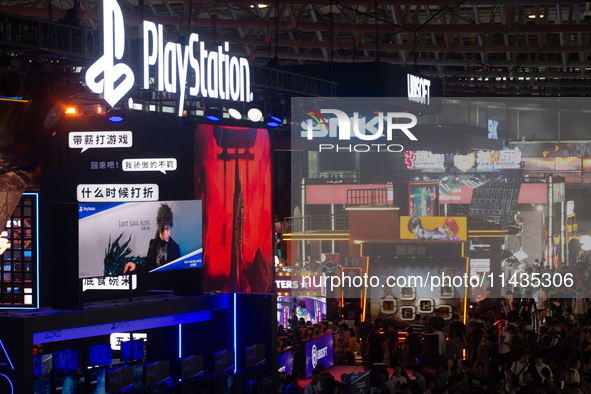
[(498, 159), (416, 248), (109, 283), (216, 74), (424, 160), (418, 89), (117, 192)]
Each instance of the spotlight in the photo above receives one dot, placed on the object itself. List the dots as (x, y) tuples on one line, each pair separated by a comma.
[(116, 115), (70, 110), (234, 113), (213, 114), (255, 115)]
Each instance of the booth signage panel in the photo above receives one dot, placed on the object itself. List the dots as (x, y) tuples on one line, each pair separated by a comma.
[(130, 325), (337, 194), (530, 193), (285, 361), (319, 351), (413, 249), (445, 228)]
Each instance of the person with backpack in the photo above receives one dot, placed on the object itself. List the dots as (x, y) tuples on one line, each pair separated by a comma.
[(519, 367)]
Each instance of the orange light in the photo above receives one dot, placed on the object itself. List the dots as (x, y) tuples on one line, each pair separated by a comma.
[(99, 109), (71, 111)]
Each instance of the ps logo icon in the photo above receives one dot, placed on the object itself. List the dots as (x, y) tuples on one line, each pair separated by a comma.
[(114, 46)]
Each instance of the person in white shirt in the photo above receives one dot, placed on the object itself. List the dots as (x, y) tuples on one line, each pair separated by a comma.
[(397, 379), (518, 367), (314, 386), (540, 365)]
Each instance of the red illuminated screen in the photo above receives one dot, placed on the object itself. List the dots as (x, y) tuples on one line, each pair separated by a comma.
[(233, 178)]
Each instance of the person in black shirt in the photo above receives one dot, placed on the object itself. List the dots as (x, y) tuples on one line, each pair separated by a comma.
[(528, 306), (375, 342), (458, 327), (392, 343), (437, 320)]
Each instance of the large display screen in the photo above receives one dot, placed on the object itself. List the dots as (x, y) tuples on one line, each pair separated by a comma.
[(255, 355), (120, 379), (443, 228), (138, 350), (233, 178), (139, 237), (223, 361), (65, 360), (100, 355), (157, 372), (192, 367), (43, 364), (423, 199), (319, 351)]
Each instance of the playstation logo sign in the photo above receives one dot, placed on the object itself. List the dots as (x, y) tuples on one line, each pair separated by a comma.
[(114, 46)]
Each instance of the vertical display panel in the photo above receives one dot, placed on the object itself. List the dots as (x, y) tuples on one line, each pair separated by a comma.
[(233, 178), (423, 199)]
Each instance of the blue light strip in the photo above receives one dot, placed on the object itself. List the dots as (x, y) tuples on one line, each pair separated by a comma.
[(235, 344), (7, 356), (9, 381), (180, 340)]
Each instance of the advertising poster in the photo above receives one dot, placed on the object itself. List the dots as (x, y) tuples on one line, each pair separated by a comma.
[(423, 199), (559, 192), (233, 178), (140, 237), (443, 228), (319, 351)]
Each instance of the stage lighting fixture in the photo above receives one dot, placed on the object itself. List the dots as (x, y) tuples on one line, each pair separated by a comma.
[(71, 110), (273, 121), (234, 113), (213, 114), (255, 115), (116, 115)]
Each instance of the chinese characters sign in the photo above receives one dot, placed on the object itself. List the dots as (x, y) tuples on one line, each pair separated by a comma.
[(161, 165), (109, 283), (117, 193), (498, 159), (424, 160), (99, 139)]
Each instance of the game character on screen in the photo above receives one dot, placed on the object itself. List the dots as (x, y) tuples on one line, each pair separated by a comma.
[(162, 249), (415, 226), (451, 229)]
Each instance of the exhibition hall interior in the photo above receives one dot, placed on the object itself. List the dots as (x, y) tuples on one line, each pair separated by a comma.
[(344, 196)]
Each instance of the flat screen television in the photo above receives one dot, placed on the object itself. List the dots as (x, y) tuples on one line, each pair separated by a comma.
[(138, 350), (119, 379), (157, 372), (255, 355), (65, 360), (133, 227), (100, 355), (68, 386), (192, 367), (223, 361)]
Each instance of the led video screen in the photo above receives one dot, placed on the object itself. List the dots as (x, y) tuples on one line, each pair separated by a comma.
[(233, 178), (100, 355), (192, 367), (138, 350), (139, 237), (43, 364), (423, 199), (442, 228), (65, 360)]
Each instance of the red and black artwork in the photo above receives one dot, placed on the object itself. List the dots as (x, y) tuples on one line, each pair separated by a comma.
[(233, 178)]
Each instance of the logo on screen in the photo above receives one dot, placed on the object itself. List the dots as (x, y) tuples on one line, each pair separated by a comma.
[(114, 47), (318, 354), (314, 356), (369, 130)]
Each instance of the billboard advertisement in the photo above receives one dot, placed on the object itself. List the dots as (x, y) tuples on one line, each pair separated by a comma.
[(444, 228), (319, 351), (423, 199), (233, 178), (139, 237)]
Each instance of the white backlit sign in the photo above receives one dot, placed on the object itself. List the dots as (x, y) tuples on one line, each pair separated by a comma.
[(418, 89), (109, 283), (216, 74), (161, 165), (99, 139), (424, 160), (570, 208), (117, 192), (492, 129)]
